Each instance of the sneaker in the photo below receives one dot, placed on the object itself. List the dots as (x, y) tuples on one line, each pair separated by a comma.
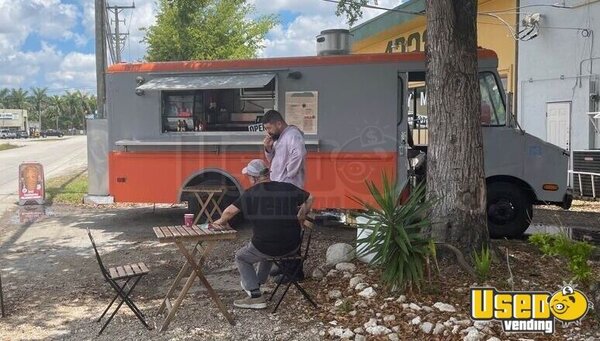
[(251, 303)]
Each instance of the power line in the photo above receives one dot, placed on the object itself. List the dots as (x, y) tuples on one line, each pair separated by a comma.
[(117, 39), (383, 8)]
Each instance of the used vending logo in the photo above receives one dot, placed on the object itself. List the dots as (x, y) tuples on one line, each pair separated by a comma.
[(529, 311)]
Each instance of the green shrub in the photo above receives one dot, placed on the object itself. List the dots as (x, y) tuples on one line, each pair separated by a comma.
[(545, 242), (483, 262), (396, 238), (576, 253)]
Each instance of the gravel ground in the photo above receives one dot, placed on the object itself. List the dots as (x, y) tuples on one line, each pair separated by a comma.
[(53, 288), (581, 214)]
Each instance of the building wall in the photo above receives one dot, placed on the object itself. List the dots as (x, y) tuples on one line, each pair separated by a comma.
[(15, 119), (400, 32), (549, 69)]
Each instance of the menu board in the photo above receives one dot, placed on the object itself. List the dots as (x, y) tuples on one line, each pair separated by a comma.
[(301, 110)]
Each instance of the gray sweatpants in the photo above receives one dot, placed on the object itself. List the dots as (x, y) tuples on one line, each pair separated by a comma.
[(246, 258)]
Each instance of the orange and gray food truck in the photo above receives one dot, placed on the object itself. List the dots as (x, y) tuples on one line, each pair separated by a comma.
[(172, 125)]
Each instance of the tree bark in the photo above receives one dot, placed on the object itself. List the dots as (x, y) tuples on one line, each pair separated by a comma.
[(455, 174)]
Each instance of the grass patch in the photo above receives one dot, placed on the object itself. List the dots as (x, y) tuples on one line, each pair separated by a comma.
[(68, 189), (7, 146)]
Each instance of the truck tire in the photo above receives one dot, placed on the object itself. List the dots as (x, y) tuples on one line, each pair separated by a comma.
[(509, 210)]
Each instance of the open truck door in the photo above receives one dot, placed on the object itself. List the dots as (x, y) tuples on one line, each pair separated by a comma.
[(402, 138)]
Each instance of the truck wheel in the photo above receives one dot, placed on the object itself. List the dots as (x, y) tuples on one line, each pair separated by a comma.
[(509, 210)]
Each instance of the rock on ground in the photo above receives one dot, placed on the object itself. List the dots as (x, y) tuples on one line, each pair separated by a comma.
[(349, 267), (333, 294), (444, 307), (361, 286), (359, 337), (378, 330), (414, 307), (339, 253), (318, 274), (393, 337), (368, 293), (474, 335), (439, 328), (355, 280), (341, 332), (426, 327)]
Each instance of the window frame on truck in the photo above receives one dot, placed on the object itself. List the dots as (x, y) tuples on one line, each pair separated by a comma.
[(234, 97)]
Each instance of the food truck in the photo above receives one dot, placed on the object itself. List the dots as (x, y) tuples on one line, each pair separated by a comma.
[(172, 125)]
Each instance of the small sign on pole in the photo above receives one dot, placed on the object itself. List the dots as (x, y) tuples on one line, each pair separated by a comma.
[(31, 183)]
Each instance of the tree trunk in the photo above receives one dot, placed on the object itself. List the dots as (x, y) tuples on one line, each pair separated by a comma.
[(455, 175)]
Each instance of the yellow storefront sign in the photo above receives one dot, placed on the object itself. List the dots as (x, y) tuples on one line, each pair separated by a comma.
[(408, 33)]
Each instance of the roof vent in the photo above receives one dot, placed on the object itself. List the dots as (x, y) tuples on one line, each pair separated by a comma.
[(333, 42)]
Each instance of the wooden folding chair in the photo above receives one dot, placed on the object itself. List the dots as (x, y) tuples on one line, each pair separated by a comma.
[(131, 273), (292, 272)]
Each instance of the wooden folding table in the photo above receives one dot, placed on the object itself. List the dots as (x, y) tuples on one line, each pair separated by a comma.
[(207, 196), (204, 240)]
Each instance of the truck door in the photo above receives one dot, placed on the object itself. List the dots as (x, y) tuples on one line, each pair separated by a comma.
[(402, 128)]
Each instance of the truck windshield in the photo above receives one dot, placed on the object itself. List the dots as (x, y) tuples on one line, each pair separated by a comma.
[(493, 110)]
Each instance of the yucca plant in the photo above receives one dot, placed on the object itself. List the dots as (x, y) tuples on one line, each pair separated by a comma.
[(396, 238)]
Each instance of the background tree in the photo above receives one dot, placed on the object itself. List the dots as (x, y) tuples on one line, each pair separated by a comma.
[(455, 174), (4, 95), (206, 29), (18, 99), (55, 112), (38, 101), (64, 112)]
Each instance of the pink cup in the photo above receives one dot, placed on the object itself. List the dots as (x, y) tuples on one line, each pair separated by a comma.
[(188, 219)]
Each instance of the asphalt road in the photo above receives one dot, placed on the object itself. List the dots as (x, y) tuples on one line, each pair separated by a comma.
[(59, 156)]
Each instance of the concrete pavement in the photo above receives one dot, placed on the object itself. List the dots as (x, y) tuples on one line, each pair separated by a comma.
[(59, 156)]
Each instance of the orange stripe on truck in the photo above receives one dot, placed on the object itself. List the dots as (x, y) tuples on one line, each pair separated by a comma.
[(157, 177)]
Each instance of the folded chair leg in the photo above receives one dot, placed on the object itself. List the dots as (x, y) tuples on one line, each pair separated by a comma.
[(113, 301), (125, 299), (278, 284), (305, 294), (282, 296), (132, 306), (123, 294), (292, 280)]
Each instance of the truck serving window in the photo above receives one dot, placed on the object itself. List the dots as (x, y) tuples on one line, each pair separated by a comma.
[(216, 110)]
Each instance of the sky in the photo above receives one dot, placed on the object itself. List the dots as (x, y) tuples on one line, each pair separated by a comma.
[(50, 43)]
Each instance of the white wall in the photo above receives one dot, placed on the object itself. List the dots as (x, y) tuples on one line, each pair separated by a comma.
[(550, 63)]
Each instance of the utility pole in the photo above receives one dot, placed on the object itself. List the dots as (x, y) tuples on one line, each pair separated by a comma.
[(118, 38), (100, 10)]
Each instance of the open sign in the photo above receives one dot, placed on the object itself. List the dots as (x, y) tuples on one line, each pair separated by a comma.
[(256, 128)]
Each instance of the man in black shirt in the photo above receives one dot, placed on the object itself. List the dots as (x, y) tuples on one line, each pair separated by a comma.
[(276, 211)]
